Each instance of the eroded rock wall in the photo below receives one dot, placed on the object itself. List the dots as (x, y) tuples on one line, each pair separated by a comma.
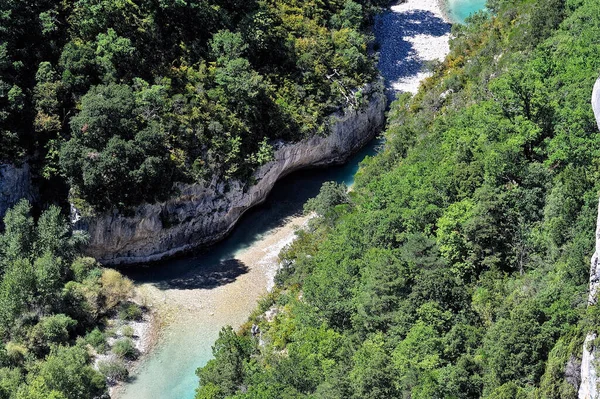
[(15, 183), (204, 213)]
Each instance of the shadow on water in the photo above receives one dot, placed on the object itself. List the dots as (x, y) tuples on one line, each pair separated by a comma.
[(397, 57), (216, 265), (210, 276)]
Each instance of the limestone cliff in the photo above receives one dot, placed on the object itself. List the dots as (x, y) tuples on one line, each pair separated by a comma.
[(589, 376), (204, 213), (15, 183)]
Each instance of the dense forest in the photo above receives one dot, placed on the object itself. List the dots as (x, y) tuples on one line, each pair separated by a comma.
[(54, 307), (457, 267), (120, 98)]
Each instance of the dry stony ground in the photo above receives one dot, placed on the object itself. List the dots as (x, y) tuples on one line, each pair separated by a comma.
[(411, 35)]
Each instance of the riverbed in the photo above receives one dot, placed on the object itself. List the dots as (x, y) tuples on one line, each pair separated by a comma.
[(196, 296)]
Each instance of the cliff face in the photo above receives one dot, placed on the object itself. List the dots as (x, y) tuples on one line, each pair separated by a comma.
[(204, 213), (589, 376), (15, 183)]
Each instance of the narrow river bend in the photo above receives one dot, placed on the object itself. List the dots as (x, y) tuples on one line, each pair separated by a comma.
[(220, 286)]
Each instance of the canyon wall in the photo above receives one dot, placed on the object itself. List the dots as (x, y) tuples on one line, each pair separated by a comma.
[(202, 214), (15, 184)]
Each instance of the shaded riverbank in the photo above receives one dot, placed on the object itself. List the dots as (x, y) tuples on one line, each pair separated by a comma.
[(197, 305)]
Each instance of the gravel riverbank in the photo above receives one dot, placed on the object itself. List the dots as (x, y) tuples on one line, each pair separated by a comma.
[(198, 304), (410, 36)]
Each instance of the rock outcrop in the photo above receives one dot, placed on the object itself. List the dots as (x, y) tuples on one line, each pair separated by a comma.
[(202, 214), (15, 184), (589, 375)]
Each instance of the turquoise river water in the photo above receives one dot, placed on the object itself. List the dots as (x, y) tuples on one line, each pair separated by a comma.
[(459, 10), (212, 288)]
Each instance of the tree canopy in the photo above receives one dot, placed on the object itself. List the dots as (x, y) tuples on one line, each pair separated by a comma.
[(117, 97), (52, 304)]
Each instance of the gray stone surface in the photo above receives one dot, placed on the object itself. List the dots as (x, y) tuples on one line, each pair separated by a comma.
[(204, 213), (15, 183)]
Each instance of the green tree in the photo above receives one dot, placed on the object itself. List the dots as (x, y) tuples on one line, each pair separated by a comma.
[(373, 375), (226, 370), (67, 371), (51, 330), (19, 235), (330, 195), (114, 54)]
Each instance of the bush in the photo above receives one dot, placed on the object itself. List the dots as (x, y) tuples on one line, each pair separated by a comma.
[(82, 267), (130, 311), (331, 194), (128, 331), (84, 299), (67, 370), (15, 352), (115, 288), (97, 339), (50, 330), (125, 349), (10, 379), (113, 370)]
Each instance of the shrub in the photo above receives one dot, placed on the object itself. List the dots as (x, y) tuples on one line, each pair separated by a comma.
[(97, 339), (115, 288), (114, 370), (331, 194), (125, 349), (82, 267), (50, 330), (15, 352), (128, 331), (130, 311)]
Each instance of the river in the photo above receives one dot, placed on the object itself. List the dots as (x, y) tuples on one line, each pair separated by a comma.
[(198, 295), (221, 285), (459, 10)]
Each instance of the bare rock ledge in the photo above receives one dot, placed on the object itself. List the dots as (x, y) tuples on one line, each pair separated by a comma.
[(205, 213)]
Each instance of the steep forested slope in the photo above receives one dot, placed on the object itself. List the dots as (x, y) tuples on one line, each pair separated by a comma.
[(458, 266), (54, 306), (123, 97)]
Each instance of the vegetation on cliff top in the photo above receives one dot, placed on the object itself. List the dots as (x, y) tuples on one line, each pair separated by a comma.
[(123, 97), (458, 266)]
